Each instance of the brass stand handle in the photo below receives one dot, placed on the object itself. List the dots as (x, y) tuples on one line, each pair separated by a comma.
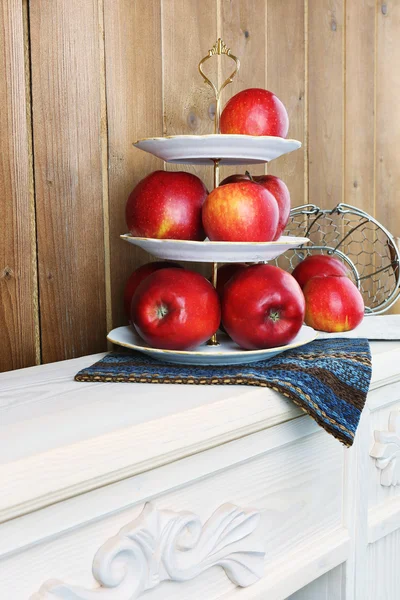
[(219, 49)]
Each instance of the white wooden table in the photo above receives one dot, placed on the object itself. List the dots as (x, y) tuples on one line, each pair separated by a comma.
[(79, 461)]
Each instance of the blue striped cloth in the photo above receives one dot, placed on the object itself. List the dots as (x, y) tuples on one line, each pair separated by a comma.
[(328, 379)]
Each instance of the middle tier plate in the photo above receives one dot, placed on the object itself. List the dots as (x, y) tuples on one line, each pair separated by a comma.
[(228, 149), (219, 252)]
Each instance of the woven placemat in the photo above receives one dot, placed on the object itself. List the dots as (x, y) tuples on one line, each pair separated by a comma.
[(328, 379)]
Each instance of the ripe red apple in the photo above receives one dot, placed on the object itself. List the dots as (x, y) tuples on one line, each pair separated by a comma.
[(278, 189), (137, 277), (240, 212), (225, 273), (167, 205), (255, 112), (333, 304), (262, 307), (175, 309), (319, 265)]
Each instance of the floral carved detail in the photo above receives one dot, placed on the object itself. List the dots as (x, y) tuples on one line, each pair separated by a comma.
[(386, 451), (162, 545)]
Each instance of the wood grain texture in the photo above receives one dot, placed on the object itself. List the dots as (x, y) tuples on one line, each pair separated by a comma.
[(134, 108), (359, 114), (299, 500), (18, 288), (327, 587), (382, 568), (243, 30), (387, 115), (189, 30), (286, 78), (330, 61), (387, 172), (325, 83), (359, 189), (67, 128)]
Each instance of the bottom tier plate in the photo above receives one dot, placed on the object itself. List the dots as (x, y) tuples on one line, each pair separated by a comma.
[(227, 353)]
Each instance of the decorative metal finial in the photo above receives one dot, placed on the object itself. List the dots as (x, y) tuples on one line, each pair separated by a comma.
[(219, 49)]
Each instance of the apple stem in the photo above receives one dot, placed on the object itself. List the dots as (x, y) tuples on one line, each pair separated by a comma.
[(162, 310), (274, 315), (249, 176)]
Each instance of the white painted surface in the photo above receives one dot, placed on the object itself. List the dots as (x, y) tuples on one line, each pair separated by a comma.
[(227, 353), (162, 545), (382, 569), (372, 327), (229, 149), (79, 462), (327, 587), (221, 252), (386, 451)]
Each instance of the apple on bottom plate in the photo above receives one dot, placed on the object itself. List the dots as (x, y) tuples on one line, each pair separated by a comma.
[(138, 275), (175, 309), (262, 307)]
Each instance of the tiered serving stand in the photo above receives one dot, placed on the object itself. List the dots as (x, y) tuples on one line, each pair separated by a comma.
[(216, 149)]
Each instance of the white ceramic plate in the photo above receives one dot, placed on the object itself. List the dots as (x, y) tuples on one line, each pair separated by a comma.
[(227, 353), (230, 149), (221, 252)]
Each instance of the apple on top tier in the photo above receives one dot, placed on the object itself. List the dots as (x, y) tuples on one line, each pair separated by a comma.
[(255, 112)]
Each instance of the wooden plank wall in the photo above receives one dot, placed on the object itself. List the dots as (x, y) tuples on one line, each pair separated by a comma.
[(83, 79)]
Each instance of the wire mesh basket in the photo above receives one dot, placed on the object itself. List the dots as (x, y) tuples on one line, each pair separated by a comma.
[(352, 235)]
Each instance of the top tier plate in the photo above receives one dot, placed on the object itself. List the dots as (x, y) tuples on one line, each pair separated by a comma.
[(229, 149)]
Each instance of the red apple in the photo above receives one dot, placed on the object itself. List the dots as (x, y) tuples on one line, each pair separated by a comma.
[(167, 205), (277, 188), (319, 265), (255, 112), (137, 277), (262, 307), (175, 309), (225, 273), (240, 212), (333, 304)]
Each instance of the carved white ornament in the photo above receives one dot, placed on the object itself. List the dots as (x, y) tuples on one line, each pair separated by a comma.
[(162, 545), (386, 451)]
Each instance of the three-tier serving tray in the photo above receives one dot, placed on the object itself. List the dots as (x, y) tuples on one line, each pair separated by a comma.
[(216, 149)]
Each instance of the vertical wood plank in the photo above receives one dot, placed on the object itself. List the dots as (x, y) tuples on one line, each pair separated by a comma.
[(243, 30), (66, 80), (18, 287), (135, 110), (359, 114), (189, 30), (359, 126), (325, 112), (387, 127), (388, 115), (286, 78)]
